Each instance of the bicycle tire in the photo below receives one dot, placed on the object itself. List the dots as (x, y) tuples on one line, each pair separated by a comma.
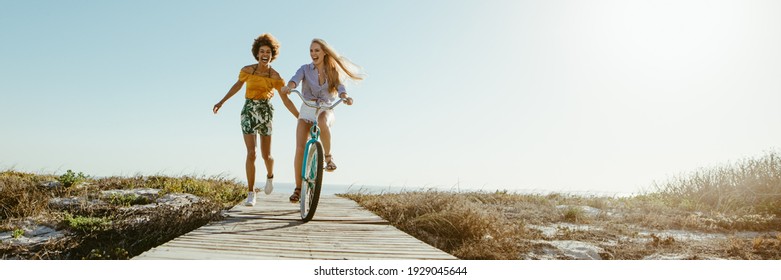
[(312, 181)]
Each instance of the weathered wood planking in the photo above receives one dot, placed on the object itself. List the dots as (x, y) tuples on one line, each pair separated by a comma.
[(273, 230)]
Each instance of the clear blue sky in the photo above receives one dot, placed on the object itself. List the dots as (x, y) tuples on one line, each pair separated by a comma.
[(548, 95)]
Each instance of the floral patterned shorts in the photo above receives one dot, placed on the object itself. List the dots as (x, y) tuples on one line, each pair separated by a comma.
[(256, 117)]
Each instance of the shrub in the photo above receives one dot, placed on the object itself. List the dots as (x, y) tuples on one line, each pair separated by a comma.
[(87, 224), (18, 233), (70, 178)]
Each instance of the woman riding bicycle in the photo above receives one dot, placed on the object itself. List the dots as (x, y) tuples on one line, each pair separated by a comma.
[(320, 82)]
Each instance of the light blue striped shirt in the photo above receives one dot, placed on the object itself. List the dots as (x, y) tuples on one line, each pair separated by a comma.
[(311, 88)]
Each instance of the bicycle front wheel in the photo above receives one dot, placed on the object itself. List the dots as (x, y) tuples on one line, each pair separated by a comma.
[(312, 181)]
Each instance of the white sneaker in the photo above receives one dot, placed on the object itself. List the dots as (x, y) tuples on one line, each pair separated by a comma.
[(250, 199), (269, 186)]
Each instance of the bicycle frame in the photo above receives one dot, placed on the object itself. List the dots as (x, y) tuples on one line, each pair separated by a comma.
[(312, 164), (314, 131)]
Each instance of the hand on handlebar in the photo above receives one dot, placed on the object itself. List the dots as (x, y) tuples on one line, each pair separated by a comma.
[(346, 98)]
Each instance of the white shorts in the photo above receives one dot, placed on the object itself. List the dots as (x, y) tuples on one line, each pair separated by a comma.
[(307, 114)]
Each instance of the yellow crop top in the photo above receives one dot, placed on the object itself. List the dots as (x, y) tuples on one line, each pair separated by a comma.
[(260, 87)]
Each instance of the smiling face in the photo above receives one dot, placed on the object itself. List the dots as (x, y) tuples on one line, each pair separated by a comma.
[(317, 54), (264, 55)]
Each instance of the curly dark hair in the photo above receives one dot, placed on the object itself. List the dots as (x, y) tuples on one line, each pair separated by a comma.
[(268, 40)]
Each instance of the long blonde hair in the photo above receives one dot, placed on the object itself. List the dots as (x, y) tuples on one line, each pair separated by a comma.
[(332, 72)]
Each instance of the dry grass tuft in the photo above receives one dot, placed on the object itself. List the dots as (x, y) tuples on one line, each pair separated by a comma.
[(20, 195), (573, 215), (750, 186), (460, 224)]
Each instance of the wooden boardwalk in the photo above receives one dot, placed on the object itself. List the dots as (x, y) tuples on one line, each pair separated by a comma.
[(273, 230)]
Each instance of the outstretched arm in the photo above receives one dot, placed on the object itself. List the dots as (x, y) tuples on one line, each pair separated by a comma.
[(289, 103), (234, 89), (286, 89)]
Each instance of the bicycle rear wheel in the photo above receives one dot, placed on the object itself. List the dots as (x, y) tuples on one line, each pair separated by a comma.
[(312, 181)]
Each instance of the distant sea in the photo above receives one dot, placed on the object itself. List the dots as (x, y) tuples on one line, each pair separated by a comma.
[(337, 188)]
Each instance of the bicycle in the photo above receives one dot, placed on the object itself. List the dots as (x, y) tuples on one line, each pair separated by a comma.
[(312, 167)]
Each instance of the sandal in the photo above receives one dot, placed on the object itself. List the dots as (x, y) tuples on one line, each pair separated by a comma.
[(296, 195), (330, 165)]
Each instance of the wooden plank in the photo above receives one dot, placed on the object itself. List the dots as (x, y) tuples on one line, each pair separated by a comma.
[(252, 247), (272, 229)]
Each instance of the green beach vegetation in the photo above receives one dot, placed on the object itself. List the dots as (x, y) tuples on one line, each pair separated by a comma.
[(106, 225)]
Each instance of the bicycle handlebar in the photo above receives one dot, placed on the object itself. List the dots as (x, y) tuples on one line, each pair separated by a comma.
[(307, 103)]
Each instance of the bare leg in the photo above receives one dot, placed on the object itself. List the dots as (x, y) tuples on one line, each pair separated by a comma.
[(302, 135), (325, 138), (249, 141), (325, 133), (265, 153)]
